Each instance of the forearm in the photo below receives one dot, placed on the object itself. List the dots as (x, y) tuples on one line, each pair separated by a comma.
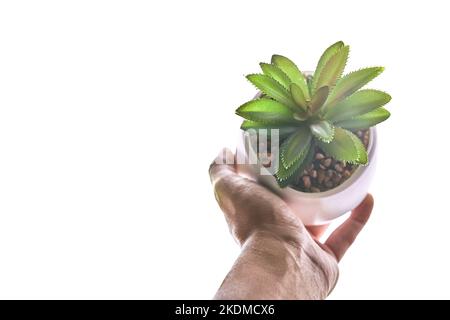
[(271, 268)]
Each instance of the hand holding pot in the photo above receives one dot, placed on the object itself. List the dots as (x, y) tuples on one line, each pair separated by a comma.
[(280, 258)]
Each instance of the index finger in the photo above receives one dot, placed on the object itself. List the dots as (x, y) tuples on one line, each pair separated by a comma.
[(342, 238)]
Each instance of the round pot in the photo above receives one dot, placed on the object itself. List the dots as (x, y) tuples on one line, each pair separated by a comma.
[(315, 208)]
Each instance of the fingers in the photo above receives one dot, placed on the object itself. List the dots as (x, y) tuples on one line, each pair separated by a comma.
[(342, 238), (223, 164), (225, 181)]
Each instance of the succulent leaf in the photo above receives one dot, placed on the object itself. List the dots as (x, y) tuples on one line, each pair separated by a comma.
[(363, 158), (328, 53), (333, 69), (276, 73), (284, 130), (322, 130), (359, 103), (285, 176), (298, 96), (265, 110), (343, 147), (272, 88), (366, 120), (351, 83), (295, 147), (319, 98), (292, 71)]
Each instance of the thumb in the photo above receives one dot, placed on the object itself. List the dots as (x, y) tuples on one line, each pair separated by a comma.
[(225, 180), (222, 165)]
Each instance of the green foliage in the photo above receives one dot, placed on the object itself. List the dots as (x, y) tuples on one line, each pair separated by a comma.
[(266, 110), (351, 83), (359, 103), (275, 73), (315, 111), (272, 88), (322, 130), (295, 147), (285, 176), (292, 71), (319, 99), (345, 147), (366, 120), (299, 97), (333, 69), (329, 52)]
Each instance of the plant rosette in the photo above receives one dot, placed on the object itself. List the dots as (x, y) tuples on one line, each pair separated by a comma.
[(311, 137)]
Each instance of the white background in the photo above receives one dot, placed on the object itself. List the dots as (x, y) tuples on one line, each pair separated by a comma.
[(111, 111)]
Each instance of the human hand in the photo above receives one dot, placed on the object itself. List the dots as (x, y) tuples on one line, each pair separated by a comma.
[(262, 221)]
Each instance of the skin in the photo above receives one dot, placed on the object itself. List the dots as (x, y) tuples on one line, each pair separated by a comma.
[(280, 257)]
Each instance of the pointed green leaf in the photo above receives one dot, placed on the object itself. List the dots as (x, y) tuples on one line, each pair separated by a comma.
[(366, 120), (350, 83), (284, 129), (299, 98), (248, 124), (292, 71), (275, 73), (319, 98), (359, 103), (333, 69), (295, 147), (344, 147), (265, 110), (322, 130), (328, 53), (285, 176), (272, 88), (363, 158)]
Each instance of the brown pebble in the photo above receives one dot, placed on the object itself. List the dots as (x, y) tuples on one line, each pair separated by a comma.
[(321, 166), (314, 189), (310, 167), (319, 156), (330, 173), (327, 162), (306, 182), (337, 178), (320, 176), (338, 167), (313, 174), (346, 174)]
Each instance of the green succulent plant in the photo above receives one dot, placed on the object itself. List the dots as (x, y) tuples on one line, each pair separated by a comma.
[(316, 110)]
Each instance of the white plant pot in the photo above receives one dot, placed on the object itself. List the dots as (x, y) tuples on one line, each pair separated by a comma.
[(322, 207)]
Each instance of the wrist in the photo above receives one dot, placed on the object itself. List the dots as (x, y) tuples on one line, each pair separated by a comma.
[(296, 263)]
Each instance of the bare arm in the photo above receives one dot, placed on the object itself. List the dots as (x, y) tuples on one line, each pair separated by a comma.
[(280, 258)]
